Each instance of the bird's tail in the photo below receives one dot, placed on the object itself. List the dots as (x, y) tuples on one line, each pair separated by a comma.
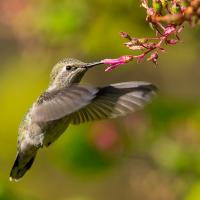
[(22, 164)]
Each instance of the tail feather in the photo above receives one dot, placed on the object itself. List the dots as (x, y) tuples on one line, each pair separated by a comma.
[(21, 165)]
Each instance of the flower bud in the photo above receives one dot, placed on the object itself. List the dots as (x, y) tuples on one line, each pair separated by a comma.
[(125, 35), (169, 30), (153, 57), (172, 41)]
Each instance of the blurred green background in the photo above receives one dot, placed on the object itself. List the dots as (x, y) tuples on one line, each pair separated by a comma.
[(153, 154)]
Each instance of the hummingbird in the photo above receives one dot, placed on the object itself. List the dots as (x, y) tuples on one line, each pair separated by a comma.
[(66, 102)]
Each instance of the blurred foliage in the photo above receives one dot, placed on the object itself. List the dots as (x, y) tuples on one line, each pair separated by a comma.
[(152, 154), (77, 145)]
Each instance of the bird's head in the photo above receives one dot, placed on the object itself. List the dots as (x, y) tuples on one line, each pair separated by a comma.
[(69, 71)]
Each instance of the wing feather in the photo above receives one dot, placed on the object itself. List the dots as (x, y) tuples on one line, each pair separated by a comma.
[(115, 100), (60, 103)]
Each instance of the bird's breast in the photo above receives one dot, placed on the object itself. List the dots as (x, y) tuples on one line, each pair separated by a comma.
[(52, 130)]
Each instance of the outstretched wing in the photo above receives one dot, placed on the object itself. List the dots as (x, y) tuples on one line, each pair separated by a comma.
[(115, 100), (59, 103)]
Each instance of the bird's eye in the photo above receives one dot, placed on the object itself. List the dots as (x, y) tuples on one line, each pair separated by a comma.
[(68, 68)]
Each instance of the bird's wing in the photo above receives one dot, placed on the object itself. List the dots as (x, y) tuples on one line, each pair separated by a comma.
[(60, 103), (115, 100)]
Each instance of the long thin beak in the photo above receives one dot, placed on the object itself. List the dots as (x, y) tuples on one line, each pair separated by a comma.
[(90, 65)]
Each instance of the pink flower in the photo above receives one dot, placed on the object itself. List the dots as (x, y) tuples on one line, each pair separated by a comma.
[(169, 30), (153, 57), (140, 57), (172, 41), (113, 63), (125, 35)]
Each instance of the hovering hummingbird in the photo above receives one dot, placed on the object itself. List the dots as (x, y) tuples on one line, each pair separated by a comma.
[(66, 102)]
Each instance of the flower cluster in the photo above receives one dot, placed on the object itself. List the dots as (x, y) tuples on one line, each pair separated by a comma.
[(166, 17)]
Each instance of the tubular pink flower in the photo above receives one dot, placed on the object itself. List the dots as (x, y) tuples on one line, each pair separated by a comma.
[(113, 63)]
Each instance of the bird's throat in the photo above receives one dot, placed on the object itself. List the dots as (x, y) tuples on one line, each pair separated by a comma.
[(61, 82)]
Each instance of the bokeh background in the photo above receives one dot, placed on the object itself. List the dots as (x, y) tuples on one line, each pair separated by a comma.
[(153, 154)]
